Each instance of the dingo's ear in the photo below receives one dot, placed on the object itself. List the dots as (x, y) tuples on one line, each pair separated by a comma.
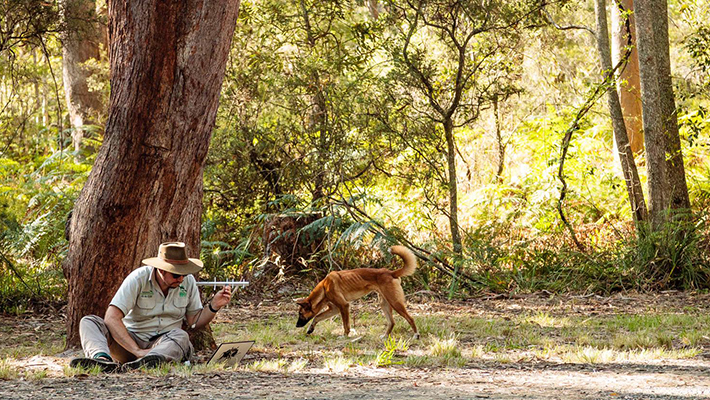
[(304, 304)]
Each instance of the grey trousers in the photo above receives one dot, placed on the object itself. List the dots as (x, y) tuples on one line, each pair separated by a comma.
[(95, 338)]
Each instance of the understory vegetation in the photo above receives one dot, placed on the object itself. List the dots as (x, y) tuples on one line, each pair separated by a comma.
[(326, 152)]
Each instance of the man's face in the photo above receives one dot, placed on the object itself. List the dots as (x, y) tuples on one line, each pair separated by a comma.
[(170, 279)]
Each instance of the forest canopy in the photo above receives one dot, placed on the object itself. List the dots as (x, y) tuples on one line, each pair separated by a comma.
[(476, 133)]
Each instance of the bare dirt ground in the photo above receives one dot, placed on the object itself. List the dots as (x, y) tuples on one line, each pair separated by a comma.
[(664, 379)]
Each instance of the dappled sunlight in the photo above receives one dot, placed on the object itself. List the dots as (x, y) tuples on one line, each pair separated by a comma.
[(485, 347), (33, 367), (547, 321)]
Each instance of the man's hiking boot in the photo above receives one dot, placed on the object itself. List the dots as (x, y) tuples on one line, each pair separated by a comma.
[(104, 364), (149, 361)]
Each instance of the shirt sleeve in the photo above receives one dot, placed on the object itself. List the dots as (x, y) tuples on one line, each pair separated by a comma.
[(126, 296), (195, 302)]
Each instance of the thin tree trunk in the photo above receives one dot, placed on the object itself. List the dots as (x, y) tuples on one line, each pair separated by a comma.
[(626, 155), (167, 66), (654, 132), (80, 44), (628, 84), (499, 141), (453, 200), (452, 185), (374, 7), (317, 116)]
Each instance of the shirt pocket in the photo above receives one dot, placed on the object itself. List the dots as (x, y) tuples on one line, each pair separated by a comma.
[(146, 303), (180, 302)]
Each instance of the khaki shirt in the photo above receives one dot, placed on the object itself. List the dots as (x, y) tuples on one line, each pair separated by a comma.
[(147, 312)]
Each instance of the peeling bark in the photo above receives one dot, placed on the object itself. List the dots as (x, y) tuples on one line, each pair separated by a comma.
[(628, 83)]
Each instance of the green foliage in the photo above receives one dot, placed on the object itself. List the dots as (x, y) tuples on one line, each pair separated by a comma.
[(385, 357), (695, 43), (26, 22), (300, 114), (33, 217), (329, 116), (675, 256), (7, 371)]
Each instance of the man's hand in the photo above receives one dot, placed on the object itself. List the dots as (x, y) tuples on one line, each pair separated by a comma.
[(140, 353), (119, 333), (222, 298)]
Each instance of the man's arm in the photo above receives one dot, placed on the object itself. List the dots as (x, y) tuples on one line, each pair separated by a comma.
[(220, 300), (119, 333)]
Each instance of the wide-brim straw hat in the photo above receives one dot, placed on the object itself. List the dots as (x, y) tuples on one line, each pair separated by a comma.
[(172, 257)]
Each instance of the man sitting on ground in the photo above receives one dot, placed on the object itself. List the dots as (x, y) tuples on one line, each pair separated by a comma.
[(142, 325)]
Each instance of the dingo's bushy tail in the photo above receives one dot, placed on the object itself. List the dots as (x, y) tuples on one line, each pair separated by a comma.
[(410, 261)]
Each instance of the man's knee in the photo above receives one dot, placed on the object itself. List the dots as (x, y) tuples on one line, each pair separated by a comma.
[(176, 345), (91, 321), (178, 335)]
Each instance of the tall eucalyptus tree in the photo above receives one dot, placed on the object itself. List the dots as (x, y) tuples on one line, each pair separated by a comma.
[(167, 64), (621, 136), (623, 24), (667, 187)]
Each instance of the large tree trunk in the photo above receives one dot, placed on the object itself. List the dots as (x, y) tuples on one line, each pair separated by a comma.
[(80, 44), (167, 65), (629, 84), (626, 155), (666, 176)]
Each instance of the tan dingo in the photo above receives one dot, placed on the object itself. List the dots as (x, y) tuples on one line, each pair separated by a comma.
[(339, 288)]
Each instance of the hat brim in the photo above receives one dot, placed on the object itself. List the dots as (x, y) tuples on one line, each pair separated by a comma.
[(193, 265)]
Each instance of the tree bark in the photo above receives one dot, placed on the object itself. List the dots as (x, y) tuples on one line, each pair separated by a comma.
[(626, 155), (499, 142), (680, 200), (167, 64), (79, 45), (666, 176), (452, 186), (628, 84)]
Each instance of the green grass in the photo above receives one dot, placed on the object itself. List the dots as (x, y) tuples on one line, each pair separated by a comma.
[(448, 340), (452, 341), (28, 350), (7, 371)]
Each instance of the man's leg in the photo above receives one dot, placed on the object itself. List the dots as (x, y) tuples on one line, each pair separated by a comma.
[(95, 339), (172, 346), (94, 336)]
